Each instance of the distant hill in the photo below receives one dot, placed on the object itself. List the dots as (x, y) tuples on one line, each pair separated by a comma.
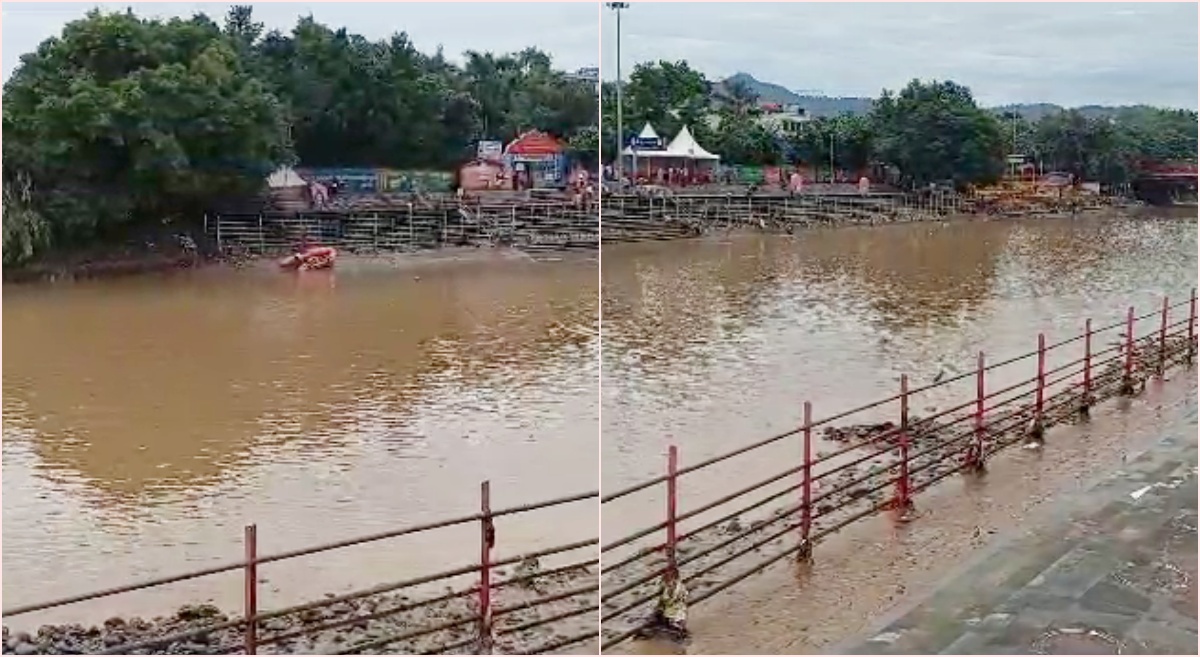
[(818, 106)]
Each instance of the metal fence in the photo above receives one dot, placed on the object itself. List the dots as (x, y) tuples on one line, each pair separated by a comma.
[(875, 466), (412, 227), (489, 626), (649, 217)]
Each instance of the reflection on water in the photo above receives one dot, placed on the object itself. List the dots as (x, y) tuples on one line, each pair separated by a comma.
[(711, 344), (147, 420)]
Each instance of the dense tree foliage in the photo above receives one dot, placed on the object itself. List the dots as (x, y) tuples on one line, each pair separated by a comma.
[(934, 131), (928, 131), (1108, 149), (121, 120)]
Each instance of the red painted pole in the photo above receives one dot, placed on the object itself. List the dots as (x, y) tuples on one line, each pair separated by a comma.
[(1087, 362), (1041, 376), (903, 501), (1129, 348), (1191, 326), (977, 456), (487, 541), (250, 607), (1162, 339), (672, 468), (806, 491)]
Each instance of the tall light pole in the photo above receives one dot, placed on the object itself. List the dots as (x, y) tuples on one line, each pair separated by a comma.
[(832, 141), (617, 7)]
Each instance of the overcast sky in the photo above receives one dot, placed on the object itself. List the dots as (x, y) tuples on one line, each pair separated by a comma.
[(566, 30), (1065, 53)]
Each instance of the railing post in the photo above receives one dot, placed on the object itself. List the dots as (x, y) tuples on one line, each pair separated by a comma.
[(1162, 339), (250, 606), (487, 540), (672, 490), (805, 552), (1085, 403), (903, 502), (1191, 328), (1127, 380), (977, 457), (1034, 436)]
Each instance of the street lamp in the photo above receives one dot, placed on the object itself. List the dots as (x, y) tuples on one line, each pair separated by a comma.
[(617, 7)]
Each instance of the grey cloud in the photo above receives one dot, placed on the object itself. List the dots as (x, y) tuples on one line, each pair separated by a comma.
[(1065, 53)]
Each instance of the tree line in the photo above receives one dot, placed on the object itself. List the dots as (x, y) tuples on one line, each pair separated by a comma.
[(122, 120), (929, 131)]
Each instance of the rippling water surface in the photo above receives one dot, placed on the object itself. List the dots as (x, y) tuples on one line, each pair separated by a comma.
[(712, 344), (146, 421)]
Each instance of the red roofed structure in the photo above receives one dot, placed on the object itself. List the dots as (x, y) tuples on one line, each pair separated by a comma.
[(534, 143)]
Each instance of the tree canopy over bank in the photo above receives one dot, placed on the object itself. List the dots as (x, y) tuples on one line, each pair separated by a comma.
[(122, 120), (929, 131)]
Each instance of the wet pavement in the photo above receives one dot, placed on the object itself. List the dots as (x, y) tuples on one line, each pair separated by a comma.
[(1108, 570)]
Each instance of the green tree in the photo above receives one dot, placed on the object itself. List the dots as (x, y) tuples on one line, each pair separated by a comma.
[(740, 138), (584, 145), (934, 131), (668, 95), (123, 120)]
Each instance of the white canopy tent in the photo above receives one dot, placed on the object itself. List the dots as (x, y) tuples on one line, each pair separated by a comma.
[(648, 133), (684, 145), (683, 152)]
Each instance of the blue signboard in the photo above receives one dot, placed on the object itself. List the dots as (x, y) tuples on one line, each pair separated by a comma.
[(646, 143)]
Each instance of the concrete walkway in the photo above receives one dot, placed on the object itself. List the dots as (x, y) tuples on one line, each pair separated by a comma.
[(1109, 571)]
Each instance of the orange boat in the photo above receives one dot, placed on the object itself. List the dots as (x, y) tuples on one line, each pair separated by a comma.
[(317, 257)]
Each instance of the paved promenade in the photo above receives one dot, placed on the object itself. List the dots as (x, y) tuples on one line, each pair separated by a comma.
[(1110, 570)]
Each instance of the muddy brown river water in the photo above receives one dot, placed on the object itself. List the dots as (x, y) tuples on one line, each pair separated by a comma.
[(147, 420), (715, 343)]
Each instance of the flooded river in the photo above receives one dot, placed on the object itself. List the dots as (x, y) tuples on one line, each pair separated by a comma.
[(147, 420), (715, 343)]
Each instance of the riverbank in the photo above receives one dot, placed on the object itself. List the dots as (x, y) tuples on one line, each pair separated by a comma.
[(361, 625), (385, 226), (1111, 569)]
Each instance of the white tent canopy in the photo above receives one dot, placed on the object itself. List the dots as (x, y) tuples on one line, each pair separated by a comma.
[(683, 146), (646, 133), (285, 177)]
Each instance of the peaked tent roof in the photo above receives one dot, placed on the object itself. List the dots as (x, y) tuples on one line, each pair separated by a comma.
[(646, 133), (285, 177), (684, 145)]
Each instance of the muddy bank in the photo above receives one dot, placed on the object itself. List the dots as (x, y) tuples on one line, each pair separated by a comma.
[(376, 624), (79, 268), (152, 251)]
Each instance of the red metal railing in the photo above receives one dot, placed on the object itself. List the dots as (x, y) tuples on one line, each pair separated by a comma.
[(246, 632), (880, 468)]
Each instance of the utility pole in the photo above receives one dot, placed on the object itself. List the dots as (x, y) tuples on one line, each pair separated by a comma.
[(832, 141), (620, 168)]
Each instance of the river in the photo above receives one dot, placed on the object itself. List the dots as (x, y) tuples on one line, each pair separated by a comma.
[(146, 420), (714, 343)]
